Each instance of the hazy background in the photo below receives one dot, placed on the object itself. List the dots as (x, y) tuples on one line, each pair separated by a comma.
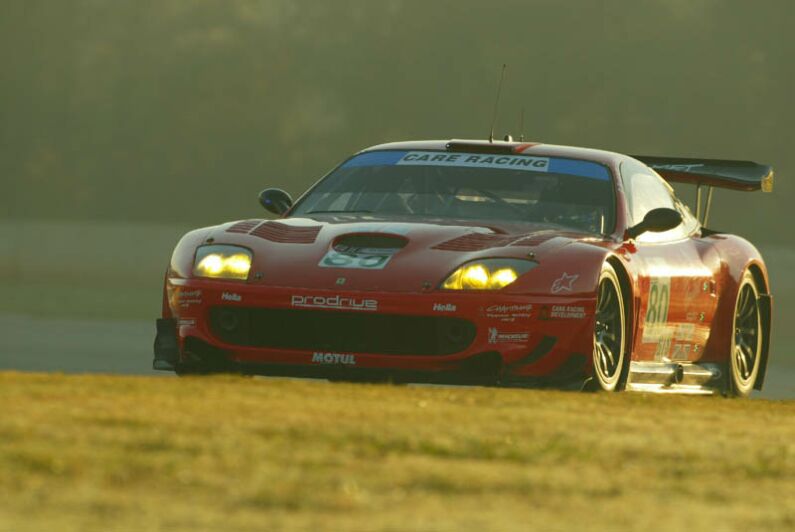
[(125, 122)]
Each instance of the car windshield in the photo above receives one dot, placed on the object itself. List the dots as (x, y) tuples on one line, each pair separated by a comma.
[(471, 186)]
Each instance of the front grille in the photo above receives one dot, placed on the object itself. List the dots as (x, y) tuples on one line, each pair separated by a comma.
[(346, 332)]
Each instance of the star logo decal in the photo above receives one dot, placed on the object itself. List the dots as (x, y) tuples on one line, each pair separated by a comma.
[(565, 283)]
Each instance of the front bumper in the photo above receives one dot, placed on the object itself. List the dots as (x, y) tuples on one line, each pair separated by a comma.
[(506, 337)]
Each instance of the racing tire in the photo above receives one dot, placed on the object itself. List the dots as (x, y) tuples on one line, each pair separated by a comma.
[(746, 343), (610, 358)]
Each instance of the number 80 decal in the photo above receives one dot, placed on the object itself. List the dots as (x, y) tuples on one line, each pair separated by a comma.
[(655, 327)]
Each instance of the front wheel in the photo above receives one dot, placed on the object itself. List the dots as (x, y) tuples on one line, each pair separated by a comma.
[(746, 344), (609, 342)]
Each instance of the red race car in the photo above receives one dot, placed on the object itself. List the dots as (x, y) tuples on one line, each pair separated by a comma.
[(481, 262)]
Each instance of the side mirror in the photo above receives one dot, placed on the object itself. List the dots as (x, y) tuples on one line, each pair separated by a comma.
[(656, 221), (275, 200)]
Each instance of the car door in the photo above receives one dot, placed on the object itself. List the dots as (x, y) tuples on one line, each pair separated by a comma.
[(676, 271)]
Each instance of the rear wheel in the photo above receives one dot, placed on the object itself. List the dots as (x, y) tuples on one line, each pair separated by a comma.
[(746, 345), (609, 343)]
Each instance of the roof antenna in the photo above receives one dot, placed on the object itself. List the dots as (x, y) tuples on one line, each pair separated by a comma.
[(497, 103), (521, 126)]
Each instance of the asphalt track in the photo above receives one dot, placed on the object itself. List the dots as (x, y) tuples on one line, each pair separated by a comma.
[(115, 346)]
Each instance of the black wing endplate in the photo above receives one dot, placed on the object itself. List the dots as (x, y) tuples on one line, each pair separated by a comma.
[(737, 175)]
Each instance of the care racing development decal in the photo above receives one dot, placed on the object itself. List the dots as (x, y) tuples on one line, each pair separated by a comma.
[(333, 358), (334, 302), (567, 312), (510, 162), (471, 160)]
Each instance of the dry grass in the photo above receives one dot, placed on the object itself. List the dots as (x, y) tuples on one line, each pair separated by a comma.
[(225, 453)]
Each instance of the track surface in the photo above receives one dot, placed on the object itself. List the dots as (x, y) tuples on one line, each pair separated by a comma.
[(125, 347)]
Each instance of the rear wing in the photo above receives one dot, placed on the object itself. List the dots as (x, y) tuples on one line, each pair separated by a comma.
[(709, 173), (737, 175)]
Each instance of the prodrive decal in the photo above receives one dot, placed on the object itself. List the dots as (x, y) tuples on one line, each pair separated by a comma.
[(497, 336), (335, 302)]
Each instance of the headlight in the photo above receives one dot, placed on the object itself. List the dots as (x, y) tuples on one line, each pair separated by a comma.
[(488, 274), (222, 262)]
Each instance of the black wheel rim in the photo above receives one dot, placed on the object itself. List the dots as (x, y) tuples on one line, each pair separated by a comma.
[(746, 333), (609, 331)]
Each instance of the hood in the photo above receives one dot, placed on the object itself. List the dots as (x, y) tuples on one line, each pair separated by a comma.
[(363, 253)]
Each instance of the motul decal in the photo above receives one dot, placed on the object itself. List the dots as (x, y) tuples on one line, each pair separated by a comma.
[(334, 358)]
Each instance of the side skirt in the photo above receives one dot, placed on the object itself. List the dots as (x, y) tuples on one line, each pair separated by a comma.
[(672, 377)]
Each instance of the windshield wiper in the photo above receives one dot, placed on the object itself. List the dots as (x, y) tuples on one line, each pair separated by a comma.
[(340, 211)]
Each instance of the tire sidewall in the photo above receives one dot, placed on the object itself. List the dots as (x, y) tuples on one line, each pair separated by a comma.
[(737, 387), (617, 381)]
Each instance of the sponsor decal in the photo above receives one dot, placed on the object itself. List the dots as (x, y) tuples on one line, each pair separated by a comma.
[(497, 337), (444, 307), (655, 326), (565, 283), (471, 160), (525, 163), (508, 312), (681, 351), (685, 332), (567, 312), (357, 258), (186, 322), (335, 302), (333, 358), (231, 296), (341, 281), (189, 297), (677, 167)]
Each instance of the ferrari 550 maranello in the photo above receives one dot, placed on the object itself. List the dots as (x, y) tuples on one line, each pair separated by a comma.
[(477, 262)]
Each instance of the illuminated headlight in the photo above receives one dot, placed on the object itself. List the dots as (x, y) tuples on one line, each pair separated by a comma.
[(222, 262), (489, 274)]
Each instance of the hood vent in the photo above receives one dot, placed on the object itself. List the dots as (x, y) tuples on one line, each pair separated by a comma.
[(276, 231), (244, 227), (369, 241), (475, 242), (286, 234), (481, 241)]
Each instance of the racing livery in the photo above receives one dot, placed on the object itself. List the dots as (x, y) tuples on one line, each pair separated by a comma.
[(479, 262)]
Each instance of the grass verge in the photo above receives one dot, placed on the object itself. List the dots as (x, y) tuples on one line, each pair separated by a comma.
[(226, 453)]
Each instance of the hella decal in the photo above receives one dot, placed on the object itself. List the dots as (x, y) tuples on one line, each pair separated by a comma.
[(231, 296), (333, 358), (444, 307), (335, 302)]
